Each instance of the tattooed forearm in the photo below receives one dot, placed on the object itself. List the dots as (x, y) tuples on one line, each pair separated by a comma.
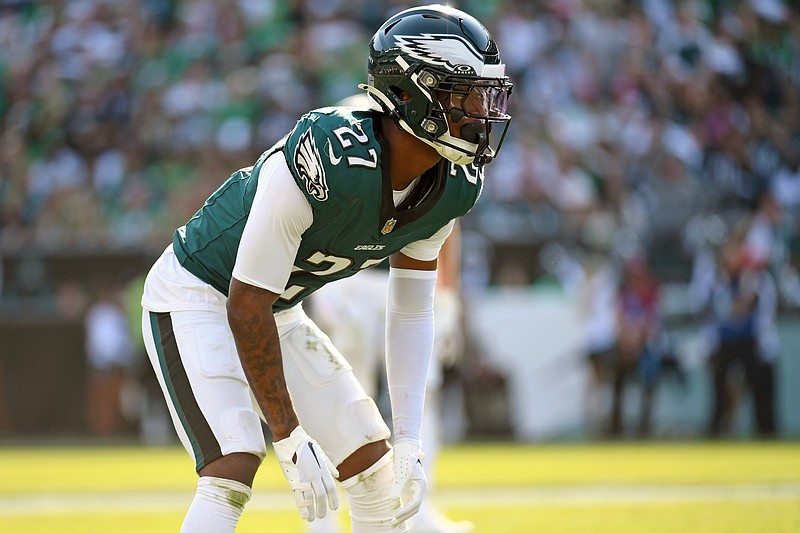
[(253, 326)]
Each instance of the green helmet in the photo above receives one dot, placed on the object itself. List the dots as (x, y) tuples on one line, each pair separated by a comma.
[(428, 62)]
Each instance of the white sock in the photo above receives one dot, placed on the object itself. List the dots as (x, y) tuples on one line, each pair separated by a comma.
[(371, 509), (217, 506)]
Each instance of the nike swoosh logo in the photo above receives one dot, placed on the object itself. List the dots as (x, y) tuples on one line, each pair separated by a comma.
[(310, 447), (334, 160)]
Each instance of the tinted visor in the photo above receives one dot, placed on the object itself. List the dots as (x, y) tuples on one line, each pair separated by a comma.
[(487, 99)]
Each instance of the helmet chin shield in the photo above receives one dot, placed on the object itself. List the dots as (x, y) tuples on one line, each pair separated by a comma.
[(436, 71)]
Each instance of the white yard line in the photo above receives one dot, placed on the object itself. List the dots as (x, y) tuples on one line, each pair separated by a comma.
[(604, 495), (140, 502)]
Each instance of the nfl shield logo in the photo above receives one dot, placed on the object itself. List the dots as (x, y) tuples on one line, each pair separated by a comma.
[(389, 226)]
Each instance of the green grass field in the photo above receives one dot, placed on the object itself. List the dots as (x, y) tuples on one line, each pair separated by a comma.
[(503, 488)]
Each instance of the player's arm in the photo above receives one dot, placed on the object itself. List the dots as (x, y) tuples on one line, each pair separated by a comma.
[(270, 240), (256, 334), (409, 340), (409, 330), (409, 345), (269, 244)]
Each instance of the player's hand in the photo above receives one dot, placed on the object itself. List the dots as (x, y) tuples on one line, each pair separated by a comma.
[(409, 481), (310, 474)]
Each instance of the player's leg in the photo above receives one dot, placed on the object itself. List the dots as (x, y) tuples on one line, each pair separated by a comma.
[(597, 399), (195, 360), (719, 365), (334, 409)]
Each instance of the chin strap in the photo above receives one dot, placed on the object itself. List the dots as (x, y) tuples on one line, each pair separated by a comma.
[(449, 149), (383, 103)]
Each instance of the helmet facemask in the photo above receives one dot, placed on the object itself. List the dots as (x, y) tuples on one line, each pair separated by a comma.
[(477, 107)]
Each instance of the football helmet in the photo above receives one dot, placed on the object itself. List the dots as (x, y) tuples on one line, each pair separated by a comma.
[(430, 62)]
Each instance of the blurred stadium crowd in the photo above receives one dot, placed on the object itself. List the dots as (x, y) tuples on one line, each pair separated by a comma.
[(655, 131), (634, 121)]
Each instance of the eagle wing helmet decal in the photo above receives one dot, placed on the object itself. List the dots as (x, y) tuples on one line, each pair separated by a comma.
[(446, 50)]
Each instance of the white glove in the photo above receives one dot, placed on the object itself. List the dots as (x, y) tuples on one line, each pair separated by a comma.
[(409, 481), (310, 474)]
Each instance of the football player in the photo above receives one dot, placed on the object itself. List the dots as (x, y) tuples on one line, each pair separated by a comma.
[(342, 191)]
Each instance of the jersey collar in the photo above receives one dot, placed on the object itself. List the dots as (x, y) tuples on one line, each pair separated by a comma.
[(422, 199)]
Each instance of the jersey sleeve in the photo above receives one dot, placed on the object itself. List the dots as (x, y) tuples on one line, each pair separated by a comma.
[(326, 144), (309, 154), (279, 216), (428, 249)]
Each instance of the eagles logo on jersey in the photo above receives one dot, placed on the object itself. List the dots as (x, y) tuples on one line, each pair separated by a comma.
[(309, 166)]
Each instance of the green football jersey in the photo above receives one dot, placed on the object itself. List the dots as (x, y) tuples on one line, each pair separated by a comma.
[(336, 156)]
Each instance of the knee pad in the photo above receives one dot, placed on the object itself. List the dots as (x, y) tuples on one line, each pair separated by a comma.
[(342, 429), (331, 404), (361, 417)]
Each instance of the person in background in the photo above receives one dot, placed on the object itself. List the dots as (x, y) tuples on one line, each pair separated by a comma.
[(597, 295), (742, 307), (765, 250), (111, 354), (637, 327)]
